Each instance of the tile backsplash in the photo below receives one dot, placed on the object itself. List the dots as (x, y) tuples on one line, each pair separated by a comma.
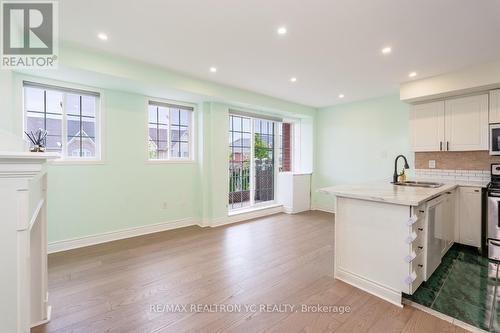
[(451, 175), (456, 160)]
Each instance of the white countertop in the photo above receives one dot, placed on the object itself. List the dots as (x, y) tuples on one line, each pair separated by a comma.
[(400, 195)]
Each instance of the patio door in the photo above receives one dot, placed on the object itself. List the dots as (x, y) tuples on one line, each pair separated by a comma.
[(252, 170)]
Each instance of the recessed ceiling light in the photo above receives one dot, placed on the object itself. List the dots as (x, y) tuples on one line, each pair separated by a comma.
[(102, 36), (282, 31), (341, 95), (213, 69), (293, 79), (412, 74), (386, 50)]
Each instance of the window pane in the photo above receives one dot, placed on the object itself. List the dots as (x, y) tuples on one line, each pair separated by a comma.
[(153, 133), (152, 114), (53, 143), (34, 99), (246, 125), (36, 121), (152, 148), (183, 133), (88, 126), (73, 104), (54, 101), (185, 117), (237, 124), (246, 140), (237, 142), (88, 106), (162, 150), (174, 114), (175, 149), (163, 132), (184, 150), (81, 147), (54, 124), (73, 126), (163, 115)]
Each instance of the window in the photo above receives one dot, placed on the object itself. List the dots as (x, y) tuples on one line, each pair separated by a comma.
[(169, 131), (285, 157), (251, 160), (69, 116)]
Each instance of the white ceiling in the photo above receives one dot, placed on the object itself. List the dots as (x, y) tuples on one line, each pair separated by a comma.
[(332, 46)]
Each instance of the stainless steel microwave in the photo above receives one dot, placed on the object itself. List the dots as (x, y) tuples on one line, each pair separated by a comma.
[(495, 139)]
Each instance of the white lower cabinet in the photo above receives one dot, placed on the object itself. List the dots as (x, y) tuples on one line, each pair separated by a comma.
[(469, 216)]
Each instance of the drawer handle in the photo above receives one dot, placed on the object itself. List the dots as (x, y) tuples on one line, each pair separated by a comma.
[(420, 247), (420, 229), (420, 265)]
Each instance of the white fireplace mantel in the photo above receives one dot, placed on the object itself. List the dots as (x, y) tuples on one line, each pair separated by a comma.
[(23, 240)]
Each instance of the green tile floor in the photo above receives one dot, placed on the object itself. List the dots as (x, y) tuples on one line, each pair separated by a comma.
[(465, 286)]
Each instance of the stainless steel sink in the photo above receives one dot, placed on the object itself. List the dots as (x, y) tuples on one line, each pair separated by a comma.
[(419, 184)]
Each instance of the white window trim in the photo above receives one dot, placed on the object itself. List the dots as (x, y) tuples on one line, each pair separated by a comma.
[(100, 119), (192, 132)]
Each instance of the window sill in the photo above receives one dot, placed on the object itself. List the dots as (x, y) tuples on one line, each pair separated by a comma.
[(60, 162), (170, 162), (252, 209)]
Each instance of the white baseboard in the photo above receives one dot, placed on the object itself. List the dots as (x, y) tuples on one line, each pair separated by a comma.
[(369, 286), (323, 208), (246, 216), (74, 243)]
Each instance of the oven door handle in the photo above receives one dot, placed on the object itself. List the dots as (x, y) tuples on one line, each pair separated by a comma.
[(498, 214), (494, 243)]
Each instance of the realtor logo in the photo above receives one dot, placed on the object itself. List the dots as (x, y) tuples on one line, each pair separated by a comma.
[(30, 34)]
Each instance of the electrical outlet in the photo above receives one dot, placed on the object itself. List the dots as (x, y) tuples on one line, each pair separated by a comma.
[(432, 164)]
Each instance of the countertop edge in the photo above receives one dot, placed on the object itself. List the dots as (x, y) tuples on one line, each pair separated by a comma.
[(342, 194)]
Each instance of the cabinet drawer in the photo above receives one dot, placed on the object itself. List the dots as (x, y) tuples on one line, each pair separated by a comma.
[(418, 210), (416, 276), (417, 246), (418, 228)]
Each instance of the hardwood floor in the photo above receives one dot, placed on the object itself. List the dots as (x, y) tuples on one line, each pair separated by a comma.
[(281, 259)]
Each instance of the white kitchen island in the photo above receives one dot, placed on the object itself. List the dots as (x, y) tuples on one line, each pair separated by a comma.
[(381, 237)]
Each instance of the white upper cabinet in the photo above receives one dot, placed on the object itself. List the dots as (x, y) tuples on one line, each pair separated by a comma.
[(495, 106), (466, 121), (427, 126), (458, 124)]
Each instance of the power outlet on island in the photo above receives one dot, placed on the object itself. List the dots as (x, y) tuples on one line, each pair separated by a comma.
[(432, 164)]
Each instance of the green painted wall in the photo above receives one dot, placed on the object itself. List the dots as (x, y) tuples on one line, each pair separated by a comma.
[(6, 80), (357, 142), (125, 191)]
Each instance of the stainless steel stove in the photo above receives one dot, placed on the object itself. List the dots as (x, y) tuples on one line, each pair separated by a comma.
[(493, 217)]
